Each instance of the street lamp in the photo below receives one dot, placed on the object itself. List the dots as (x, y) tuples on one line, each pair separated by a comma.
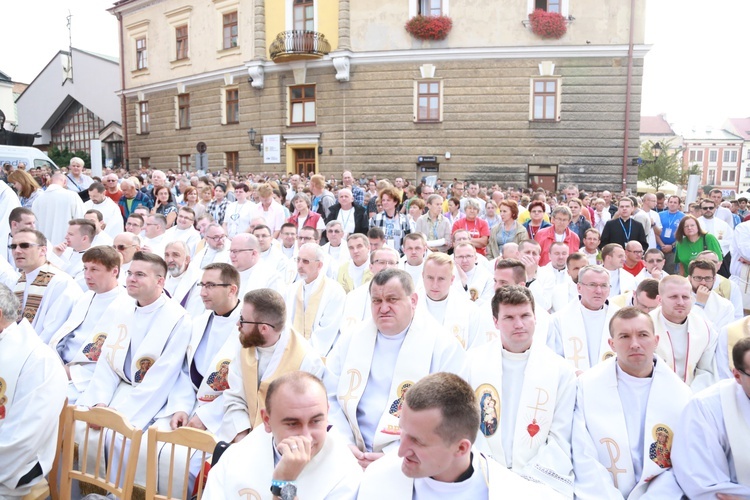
[(252, 133), (656, 150)]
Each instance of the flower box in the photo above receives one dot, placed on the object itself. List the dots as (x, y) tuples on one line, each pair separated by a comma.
[(429, 27), (548, 24)]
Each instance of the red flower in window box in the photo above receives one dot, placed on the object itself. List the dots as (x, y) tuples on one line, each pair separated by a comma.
[(429, 27), (548, 24)]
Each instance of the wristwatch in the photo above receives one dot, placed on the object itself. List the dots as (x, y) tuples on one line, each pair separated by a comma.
[(287, 490)]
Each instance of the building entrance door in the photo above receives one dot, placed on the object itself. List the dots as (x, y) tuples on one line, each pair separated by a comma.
[(304, 159), (543, 176)]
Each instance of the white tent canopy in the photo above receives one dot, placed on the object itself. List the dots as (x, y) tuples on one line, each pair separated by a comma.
[(666, 188)]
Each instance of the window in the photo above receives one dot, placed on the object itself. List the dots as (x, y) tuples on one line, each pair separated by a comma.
[(713, 156), (232, 160), (143, 117), (545, 97), (304, 15), (696, 155), (748, 154), (181, 35), (711, 178), (428, 101), (230, 30), (730, 156), (232, 106), (183, 111), (430, 7), (548, 5), (728, 175), (141, 54), (302, 104), (184, 162), (747, 172), (146, 163), (76, 128)]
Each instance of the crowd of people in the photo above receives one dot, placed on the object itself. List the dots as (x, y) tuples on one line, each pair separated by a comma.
[(360, 338)]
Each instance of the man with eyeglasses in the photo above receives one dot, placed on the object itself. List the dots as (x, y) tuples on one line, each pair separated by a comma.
[(712, 224), (110, 211), (113, 191), (184, 230), (126, 244), (216, 250), (135, 224), (579, 332), (268, 349), (634, 263), (153, 331), (726, 288), (315, 302), (687, 341), (79, 340), (357, 305), (475, 278), (46, 293), (244, 254), (335, 248), (710, 451), (613, 257), (631, 403)]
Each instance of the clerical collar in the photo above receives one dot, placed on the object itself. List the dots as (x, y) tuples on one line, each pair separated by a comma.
[(229, 313), (467, 473)]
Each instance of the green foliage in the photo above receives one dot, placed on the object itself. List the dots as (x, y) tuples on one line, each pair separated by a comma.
[(656, 171), (62, 157)]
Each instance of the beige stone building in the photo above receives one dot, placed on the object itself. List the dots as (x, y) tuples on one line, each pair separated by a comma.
[(332, 84)]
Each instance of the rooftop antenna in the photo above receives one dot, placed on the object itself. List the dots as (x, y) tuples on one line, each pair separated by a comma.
[(68, 72)]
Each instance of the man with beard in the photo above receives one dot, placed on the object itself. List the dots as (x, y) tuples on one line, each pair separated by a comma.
[(177, 257), (268, 350)]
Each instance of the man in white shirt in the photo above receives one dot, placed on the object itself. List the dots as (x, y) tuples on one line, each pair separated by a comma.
[(726, 288), (126, 244), (357, 306), (740, 266), (567, 291), (46, 293), (438, 428), (80, 339), (315, 302), (177, 257), (710, 452), (154, 241), (626, 412), (244, 254), (271, 212), (654, 266), (621, 281), (55, 207), (534, 388), (722, 213), (649, 208), (270, 253), (110, 211), (591, 240), (336, 248), (579, 332), (292, 452), (552, 274), (288, 239), (354, 272), (687, 342), (415, 249), (101, 237), (32, 395), (19, 218), (77, 240), (711, 224), (476, 279), (183, 230), (239, 213), (371, 367)]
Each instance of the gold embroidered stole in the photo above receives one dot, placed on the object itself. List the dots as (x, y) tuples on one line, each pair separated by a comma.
[(724, 289), (304, 318), (736, 331), (255, 393), (36, 291)]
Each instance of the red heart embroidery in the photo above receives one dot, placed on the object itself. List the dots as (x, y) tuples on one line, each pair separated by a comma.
[(532, 428)]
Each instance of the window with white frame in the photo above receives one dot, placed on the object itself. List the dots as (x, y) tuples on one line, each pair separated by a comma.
[(545, 99), (142, 119), (302, 105), (730, 156), (713, 156), (711, 176), (430, 7), (304, 15), (141, 53), (230, 30), (183, 111), (559, 6), (429, 98), (181, 42), (728, 175), (696, 155)]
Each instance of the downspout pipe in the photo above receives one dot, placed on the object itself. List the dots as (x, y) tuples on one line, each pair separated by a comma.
[(123, 99), (628, 99)]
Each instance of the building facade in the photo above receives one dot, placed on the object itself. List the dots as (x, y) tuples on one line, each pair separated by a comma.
[(332, 84), (718, 153), (741, 127)]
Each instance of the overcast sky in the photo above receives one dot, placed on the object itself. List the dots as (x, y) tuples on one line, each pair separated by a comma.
[(696, 72)]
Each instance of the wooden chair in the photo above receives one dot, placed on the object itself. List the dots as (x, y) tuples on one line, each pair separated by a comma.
[(109, 420), (189, 440), (49, 487)]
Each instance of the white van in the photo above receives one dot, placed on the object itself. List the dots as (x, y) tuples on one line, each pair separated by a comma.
[(32, 157)]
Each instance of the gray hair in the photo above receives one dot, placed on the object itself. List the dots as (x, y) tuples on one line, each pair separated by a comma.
[(319, 253), (303, 197), (333, 223), (178, 243), (592, 269), (9, 304), (562, 209), (471, 203)]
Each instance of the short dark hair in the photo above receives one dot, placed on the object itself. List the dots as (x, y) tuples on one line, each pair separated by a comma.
[(575, 256), (389, 273), (85, 227), (17, 213), (519, 270), (269, 306), (263, 226), (299, 382), (738, 353), (227, 273), (454, 397), (288, 224), (137, 217), (153, 259), (650, 286), (97, 186), (609, 248), (96, 212), (40, 238), (511, 295), (376, 233), (626, 313), (104, 255), (701, 264), (316, 233)]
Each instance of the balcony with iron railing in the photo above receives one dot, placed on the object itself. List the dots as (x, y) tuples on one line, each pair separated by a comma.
[(298, 45)]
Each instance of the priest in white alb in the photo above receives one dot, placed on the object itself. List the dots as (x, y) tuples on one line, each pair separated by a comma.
[(355, 271), (627, 412), (244, 254), (687, 341), (269, 349), (111, 213), (580, 331), (526, 396), (711, 452), (315, 302), (216, 250), (68, 254), (335, 248), (32, 395), (613, 260), (475, 278), (183, 230), (126, 244), (80, 339), (177, 257), (415, 250), (371, 367)]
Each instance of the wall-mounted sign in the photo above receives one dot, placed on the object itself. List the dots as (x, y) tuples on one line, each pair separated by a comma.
[(271, 149)]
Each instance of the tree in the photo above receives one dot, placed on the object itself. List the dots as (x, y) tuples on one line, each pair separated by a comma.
[(658, 170)]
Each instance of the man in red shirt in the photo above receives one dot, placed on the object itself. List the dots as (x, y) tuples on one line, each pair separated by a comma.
[(633, 257), (112, 190)]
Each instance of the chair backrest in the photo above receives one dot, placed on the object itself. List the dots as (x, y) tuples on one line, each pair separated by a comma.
[(188, 440), (117, 442)]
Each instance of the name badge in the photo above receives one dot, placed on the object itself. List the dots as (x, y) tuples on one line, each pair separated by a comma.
[(667, 233)]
